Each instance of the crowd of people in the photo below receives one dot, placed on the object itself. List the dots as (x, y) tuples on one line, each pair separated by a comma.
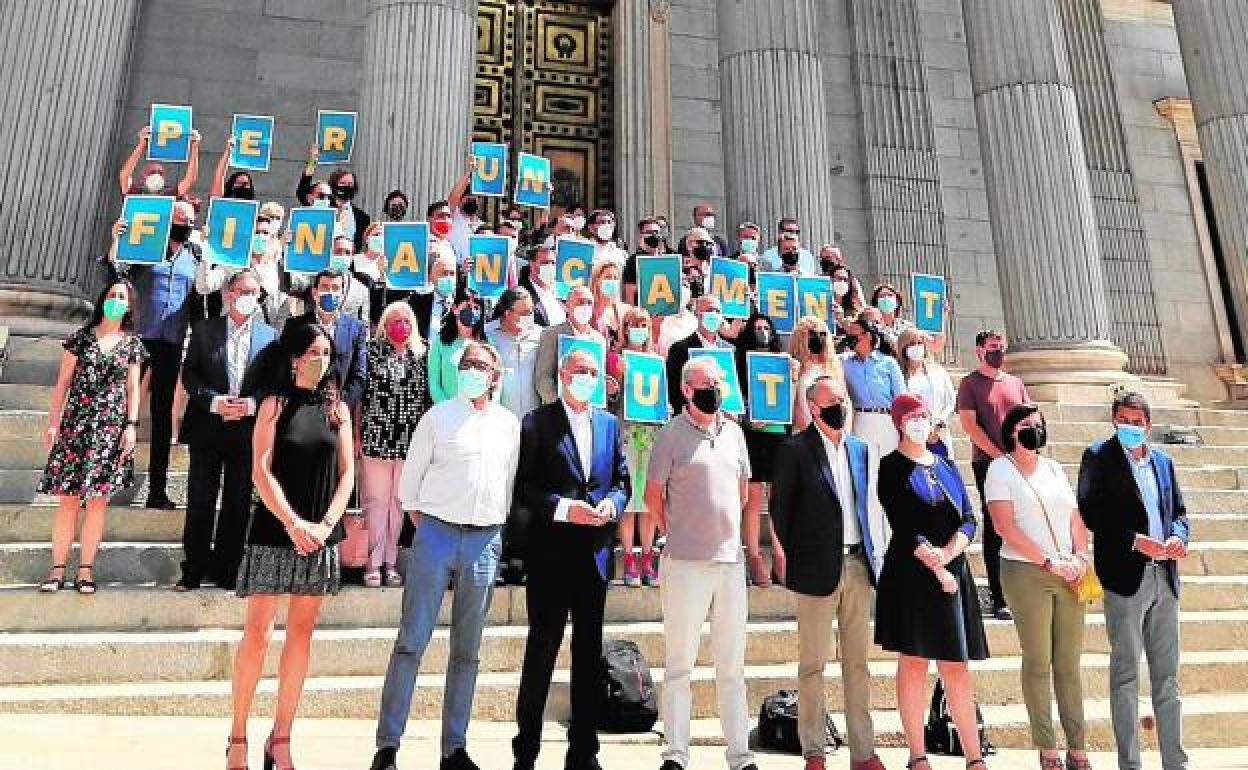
[(474, 452)]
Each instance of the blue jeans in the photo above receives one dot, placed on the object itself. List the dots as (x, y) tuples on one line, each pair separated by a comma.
[(440, 553)]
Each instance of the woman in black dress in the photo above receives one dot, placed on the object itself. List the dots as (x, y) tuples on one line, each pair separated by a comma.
[(927, 607), (303, 472)]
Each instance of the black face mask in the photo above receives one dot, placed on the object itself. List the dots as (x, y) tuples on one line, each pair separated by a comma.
[(994, 358), (468, 316), (1033, 437), (833, 416), (344, 193), (396, 212), (851, 341), (652, 241), (243, 193), (789, 258), (763, 338), (702, 251), (696, 286), (828, 266), (816, 344), (706, 400), (179, 233), (470, 208)]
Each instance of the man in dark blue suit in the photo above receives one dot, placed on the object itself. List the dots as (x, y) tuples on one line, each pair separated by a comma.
[(222, 385), (572, 478), (350, 334), (1129, 496)]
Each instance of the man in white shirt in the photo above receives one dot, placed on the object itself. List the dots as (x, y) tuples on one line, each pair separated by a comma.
[(456, 487), (827, 516)]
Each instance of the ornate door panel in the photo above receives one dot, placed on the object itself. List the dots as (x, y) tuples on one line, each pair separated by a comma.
[(543, 85)]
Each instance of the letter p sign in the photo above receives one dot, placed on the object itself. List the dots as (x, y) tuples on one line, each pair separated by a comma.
[(171, 133)]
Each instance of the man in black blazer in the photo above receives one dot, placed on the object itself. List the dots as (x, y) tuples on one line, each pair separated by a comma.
[(1129, 496), (430, 306), (221, 383), (572, 478), (350, 334), (828, 517), (710, 320)]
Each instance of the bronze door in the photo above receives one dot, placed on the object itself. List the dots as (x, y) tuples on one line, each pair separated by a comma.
[(543, 86)]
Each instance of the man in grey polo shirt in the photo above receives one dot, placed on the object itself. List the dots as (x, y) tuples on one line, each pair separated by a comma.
[(696, 486)]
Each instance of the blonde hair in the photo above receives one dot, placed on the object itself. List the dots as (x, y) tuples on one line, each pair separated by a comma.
[(799, 346), (634, 315), (907, 338), (401, 308), (596, 279)]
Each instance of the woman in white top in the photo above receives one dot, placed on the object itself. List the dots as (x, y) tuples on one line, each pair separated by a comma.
[(928, 379), (1044, 555)]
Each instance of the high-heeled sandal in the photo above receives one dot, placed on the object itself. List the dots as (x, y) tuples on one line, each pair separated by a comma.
[(1077, 764), (975, 762), (1051, 763), (85, 587), (51, 585), (236, 740), (275, 740), (914, 761)]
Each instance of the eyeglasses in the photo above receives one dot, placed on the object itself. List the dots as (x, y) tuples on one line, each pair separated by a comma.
[(472, 363), (791, 232), (819, 334), (651, 232)]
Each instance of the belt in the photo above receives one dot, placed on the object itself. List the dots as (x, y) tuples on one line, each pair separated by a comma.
[(853, 550), (461, 527), (872, 409)]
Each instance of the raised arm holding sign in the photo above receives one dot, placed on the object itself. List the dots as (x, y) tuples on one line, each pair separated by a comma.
[(335, 135), (532, 181), (489, 169)]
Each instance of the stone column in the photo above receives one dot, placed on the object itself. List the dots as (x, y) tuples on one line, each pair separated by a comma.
[(1039, 195), (1211, 37), (775, 124), (63, 68), (643, 109), (416, 103)]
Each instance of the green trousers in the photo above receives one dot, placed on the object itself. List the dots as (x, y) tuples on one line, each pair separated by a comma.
[(1049, 621)]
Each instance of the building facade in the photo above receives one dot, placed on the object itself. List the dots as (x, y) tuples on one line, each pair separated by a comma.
[(1048, 156)]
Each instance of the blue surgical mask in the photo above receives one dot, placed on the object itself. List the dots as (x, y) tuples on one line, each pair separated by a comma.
[(712, 320), (259, 243), (320, 203), (471, 383), (610, 287), (749, 245), (340, 262), (1132, 436), (583, 386), (329, 301), (887, 304), (445, 285), (374, 243), (638, 336)]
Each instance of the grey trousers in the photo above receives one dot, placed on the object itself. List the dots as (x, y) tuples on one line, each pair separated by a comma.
[(1147, 623)]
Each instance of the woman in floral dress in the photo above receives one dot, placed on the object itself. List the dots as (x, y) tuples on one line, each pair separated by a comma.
[(90, 436)]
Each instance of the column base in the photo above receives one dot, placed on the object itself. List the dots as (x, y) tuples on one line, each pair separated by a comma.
[(31, 311), (1094, 364)]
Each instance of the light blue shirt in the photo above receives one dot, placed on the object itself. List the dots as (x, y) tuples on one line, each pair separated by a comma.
[(872, 383), (1146, 479)]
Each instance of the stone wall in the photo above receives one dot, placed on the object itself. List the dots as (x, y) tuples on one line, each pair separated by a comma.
[(1147, 67)]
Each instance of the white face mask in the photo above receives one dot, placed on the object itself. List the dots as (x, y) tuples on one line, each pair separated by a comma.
[(582, 314), (546, 272), (918, 429), (605, 231), (840, 288), (578, 223), (245, 304), (154, 183), (708, 222), (916, 352), (525, 322)]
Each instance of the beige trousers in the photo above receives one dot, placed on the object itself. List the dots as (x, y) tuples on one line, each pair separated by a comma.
[(851, 607)]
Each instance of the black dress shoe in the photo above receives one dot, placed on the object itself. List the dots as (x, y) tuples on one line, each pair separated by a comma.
[(384, 760), (458, 761), (671, 764), (185, 584), (160, 503), (589, 763), (1002, 612)]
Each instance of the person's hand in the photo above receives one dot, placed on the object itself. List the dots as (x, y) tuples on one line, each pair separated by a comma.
[(372, 230), (757, 567), (319, 532), (1151, 548), (196, 137), (945, 555), (948, 583), (613, 386), (119, 228), (1175, 548), (49, 434), (145, 134), (129, 438), (779, 562), (297, 530), (585, 515), (472, 163), (929, 555), (286, 236)]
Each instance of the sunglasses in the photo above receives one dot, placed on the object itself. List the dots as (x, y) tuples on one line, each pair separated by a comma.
[(322, 196)]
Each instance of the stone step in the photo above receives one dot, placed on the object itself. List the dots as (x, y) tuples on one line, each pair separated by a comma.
[(152, 608), (104, 657), (996, 683), (148, 562), (1190, 477), (1087, 432), (18, 486), (29, 454), (1159, 392), (1183, 455), (1162, 415), (33, 361)]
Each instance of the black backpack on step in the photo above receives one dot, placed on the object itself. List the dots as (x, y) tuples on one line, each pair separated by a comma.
[(777, 724), (941, 735), (630, 703)]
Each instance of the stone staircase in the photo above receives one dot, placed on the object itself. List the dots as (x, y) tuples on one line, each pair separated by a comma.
[(139, 648)]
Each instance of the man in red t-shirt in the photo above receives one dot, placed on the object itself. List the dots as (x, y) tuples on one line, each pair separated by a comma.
[(985, 397)]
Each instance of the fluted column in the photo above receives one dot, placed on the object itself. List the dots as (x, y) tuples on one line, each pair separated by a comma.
[(643, 109), (63, 66), (774, 121), (1211, 37), (416, 104), (1039, 194)]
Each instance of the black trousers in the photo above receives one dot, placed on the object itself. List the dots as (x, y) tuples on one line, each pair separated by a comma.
[(992, 541), (551, 596), (165, 363), (213, 544)]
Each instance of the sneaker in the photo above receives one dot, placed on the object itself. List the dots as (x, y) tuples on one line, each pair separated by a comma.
[(631, 576), (372, 578), (649, 572), (459, 760), (393, 579)]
